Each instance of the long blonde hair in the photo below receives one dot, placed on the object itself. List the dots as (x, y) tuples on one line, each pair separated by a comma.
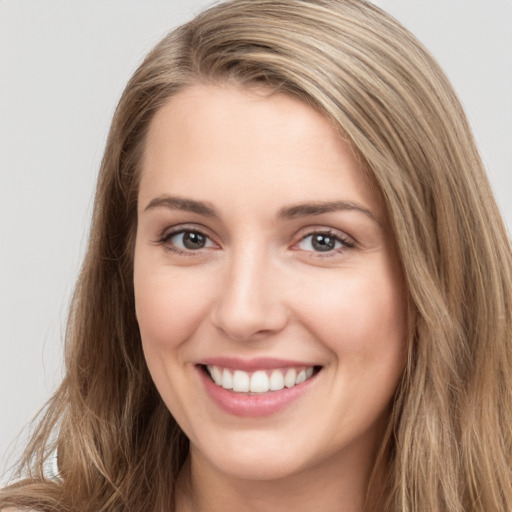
[(449, 441)]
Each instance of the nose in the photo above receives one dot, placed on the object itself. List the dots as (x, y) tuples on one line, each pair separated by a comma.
[(250, 303)]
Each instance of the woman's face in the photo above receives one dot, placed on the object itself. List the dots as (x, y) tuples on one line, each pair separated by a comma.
[(268, 294)]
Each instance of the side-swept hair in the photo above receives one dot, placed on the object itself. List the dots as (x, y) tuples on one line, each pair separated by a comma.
[(449, 441)]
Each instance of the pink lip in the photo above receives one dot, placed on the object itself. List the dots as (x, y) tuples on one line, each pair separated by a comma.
[(251, 365), (245, 405)]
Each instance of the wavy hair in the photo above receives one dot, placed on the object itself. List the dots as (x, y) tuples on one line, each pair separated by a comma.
[(448, 445)]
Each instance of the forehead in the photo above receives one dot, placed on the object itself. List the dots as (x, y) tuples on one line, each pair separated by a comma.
[(248, 140)]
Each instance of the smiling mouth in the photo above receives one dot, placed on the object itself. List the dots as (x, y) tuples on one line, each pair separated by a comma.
[(260, 381)]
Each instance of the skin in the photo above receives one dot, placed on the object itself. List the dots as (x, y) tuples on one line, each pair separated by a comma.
[(260, 288)]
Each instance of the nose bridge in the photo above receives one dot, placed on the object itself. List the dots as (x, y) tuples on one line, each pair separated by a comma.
[(249, 300)]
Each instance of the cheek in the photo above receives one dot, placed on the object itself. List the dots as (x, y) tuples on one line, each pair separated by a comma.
[(361, 318), (168, 314), (363, 324), (168, 309)]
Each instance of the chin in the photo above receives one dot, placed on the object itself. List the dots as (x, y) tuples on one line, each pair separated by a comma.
[(271, 469), (259, 458)]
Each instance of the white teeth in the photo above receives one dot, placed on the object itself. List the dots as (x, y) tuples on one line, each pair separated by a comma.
[(216, 374), (290, 378), (276, 381), (261, 381), (227, 379), (301, 377), (240, 381)]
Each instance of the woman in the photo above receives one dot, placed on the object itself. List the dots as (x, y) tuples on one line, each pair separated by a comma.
[(297, 289)]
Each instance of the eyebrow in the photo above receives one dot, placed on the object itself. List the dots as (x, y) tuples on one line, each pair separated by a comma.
[(286, 213), (182, 203), (319, 208)]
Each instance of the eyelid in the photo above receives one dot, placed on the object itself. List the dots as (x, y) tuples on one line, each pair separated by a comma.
[(347, 241), (170, 232)]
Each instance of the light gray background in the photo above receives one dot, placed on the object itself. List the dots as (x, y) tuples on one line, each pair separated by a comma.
[(63, 65)]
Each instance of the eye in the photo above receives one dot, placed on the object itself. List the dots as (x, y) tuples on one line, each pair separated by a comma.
[(187, 240), (324, 242)]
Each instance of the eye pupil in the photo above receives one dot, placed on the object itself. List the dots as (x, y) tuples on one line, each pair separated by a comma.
[(193, 240), (323, 242)]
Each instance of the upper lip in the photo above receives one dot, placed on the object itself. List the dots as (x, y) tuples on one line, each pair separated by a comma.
[(258, 363)]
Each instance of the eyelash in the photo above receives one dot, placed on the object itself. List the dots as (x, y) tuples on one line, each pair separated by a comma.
[(164, 241), (345, 241)]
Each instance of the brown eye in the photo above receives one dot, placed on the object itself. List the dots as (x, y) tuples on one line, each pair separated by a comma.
[(187, 240), (320, 242), (326, 242), (193, 240)]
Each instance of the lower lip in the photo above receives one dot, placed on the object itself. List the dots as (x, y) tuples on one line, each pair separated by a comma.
[(242, 404)]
